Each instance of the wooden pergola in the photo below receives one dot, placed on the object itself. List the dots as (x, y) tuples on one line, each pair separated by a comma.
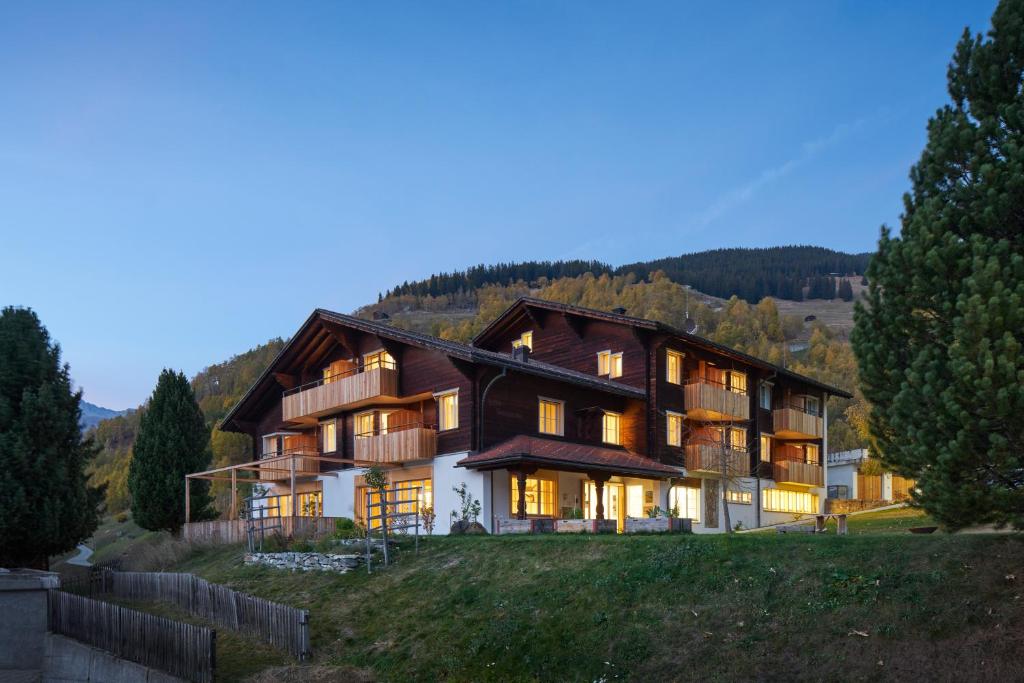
[(251, 471)]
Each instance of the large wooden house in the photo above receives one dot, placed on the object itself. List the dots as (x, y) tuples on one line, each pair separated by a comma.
[(552, 412)]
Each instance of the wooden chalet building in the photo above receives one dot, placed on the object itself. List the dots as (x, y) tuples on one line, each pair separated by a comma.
[(553, 411)]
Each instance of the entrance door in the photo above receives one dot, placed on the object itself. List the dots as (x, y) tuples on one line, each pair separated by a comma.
[(614, 502)]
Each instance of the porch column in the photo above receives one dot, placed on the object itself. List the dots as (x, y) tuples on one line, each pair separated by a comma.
[(187, 505), (292, 461), (599, 487), (521, 503)]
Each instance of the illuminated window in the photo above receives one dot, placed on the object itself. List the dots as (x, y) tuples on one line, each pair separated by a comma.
[(615, 367), (334, 371), (610, 428), (329, 436), (766, 448), (525, 339), (686, 501), (737, 382), (539, 498), (811, 454), (741, 497), (309, 504), (738, 439), (403, 494), (364, 425), (378, 359), (674, 427), (766, 396), (674, 367), (448, 410), (604, 362), (550, 416), (779, 500)]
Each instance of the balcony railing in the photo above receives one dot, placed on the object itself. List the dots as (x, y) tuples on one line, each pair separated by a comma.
[(340, 391), (793, 423), (709, 400), (397, 444), (707, 459), (279, 465), (794, 472)]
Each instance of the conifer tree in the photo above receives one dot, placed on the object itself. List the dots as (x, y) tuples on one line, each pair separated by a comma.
[(939, 340), (46, 507), (173, 441), (845, 290)]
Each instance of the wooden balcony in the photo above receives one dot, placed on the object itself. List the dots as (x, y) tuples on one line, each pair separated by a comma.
[(402, 445), (712, 402), (707, 459), (793, 423), (279, 465), (349, 390), (793, 472)]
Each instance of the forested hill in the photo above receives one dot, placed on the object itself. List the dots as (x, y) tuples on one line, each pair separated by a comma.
[(793, 272)]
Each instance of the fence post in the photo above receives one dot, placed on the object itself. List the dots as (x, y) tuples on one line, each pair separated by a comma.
[(304, 651)]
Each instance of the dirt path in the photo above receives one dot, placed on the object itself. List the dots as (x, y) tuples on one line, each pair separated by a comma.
[(82, 558)]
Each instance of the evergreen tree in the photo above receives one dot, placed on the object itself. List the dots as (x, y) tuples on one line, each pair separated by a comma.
[(46, 507), (173, 441), (845, 290), (939, 340)]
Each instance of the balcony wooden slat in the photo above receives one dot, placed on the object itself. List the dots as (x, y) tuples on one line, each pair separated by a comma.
[(415, 443), (342, 392), (793, 472), (791, 423), (707, 459), (280, 469), (712, 402)]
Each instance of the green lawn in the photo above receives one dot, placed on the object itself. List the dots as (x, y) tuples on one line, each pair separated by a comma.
[(874, 604)]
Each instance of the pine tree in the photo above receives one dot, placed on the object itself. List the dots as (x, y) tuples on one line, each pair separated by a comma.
[(46, 507), (845, 290), (939, 340), (173, 441)]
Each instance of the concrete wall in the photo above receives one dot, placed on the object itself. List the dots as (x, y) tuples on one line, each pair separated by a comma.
[(67, 660), (844, 475), (446, 477)]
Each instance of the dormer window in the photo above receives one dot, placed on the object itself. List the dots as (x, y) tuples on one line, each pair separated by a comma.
[(609, 364), (525, 339)]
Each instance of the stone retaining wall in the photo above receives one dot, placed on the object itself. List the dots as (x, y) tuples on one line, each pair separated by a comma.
[(307, 562), (649, 525), (585, 526)]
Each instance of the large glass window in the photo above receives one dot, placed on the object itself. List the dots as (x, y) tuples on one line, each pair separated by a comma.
[(309, 504), (674, 367), (780, 500), (737, 382), (378, 359), (738, 438), (610, 428), (364, 425), (448, 410), (550, 416), (329, 436), (685, 500), (740, 497), (539, 498), (402, 499), (811, 454), (674, 427)]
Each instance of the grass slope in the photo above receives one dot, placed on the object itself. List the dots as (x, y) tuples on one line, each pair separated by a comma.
[(749, 607)]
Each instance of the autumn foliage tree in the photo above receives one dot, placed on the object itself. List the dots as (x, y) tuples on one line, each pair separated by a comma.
[(939, 339)]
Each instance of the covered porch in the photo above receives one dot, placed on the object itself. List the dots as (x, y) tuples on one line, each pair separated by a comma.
[(543, 484)]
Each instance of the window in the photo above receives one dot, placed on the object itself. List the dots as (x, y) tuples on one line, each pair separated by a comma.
[(403, 499), (616, 365), (310, 504), (674, 427), (766, 396), (738, 439), (811, 454), (334, 371), (737, 382), (385, 420), (685, 499), (329, 436), (447, 410), (364, 425), (610, 428), (779, 500), (739, 497), (378, 359), (540, 496), (766, 448), (525, 339), (550, 416), (604, 362), (812, 406), (674, 367)]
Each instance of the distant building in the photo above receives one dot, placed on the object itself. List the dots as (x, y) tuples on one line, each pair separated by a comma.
[(855, 483)]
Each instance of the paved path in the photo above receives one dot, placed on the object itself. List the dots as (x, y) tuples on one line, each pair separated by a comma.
[(82, 558)]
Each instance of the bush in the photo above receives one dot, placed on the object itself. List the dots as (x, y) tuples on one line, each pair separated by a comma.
[(121, 517), (345, 528)]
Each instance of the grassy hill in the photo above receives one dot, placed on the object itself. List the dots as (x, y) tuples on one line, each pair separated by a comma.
[(879, 604)]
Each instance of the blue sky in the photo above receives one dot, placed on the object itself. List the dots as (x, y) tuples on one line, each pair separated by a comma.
[(180, 182)]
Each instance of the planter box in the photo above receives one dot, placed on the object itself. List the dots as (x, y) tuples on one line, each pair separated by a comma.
[(585, 526), (523, 526), (657, 525)]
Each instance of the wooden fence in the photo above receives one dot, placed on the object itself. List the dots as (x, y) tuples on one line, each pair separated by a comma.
[(180, 649), (282, 626), (228, 531)]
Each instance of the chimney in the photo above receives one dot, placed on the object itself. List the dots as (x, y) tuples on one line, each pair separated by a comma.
[(619, 310), (522, 352)]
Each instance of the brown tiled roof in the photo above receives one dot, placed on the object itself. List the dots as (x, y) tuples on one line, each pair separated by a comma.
[(567, 455)]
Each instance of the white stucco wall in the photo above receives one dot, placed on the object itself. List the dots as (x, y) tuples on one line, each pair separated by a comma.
[(446, 477), (844, 474)]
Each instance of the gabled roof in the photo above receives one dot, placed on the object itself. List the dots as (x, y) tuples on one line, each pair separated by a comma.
[(567, 455), (652, 325), (453, 349)]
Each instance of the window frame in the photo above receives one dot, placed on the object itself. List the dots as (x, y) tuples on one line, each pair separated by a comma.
[(525, 339), (765, 386), (679, 356), (761, 452), (326, 426), (440, 397), (605, 415), (744, 497), (615, 365), (671, 415), (513, 485), (382, 359), (672, 499), (784, 500), (605, 356), (362, 434), (559, 415)]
